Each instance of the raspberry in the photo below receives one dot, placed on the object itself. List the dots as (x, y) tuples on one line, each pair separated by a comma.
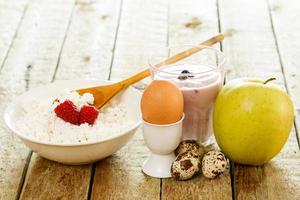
[(68, 112), (88, 114)]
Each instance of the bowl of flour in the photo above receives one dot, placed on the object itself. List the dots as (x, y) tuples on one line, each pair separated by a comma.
[(32, 118)]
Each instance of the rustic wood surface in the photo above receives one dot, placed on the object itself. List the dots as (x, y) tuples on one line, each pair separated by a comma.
[(194, 21), (286, 27), (130, 55), (47, 40), (274, 180), (12, 153)]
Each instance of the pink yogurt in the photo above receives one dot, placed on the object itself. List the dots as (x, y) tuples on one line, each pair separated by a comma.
[(200, 85)]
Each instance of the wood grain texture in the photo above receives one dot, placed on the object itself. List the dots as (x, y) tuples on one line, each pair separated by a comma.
[(31, 53), (287, 28), (51, 180), (120, 176), (87, 52), (81, 57), (12, 157), (248, 38), (142, 23), (82, 52), (193, 21), (31, 62), (12, 152), (36, 48), (143, 28), (11, 15), (251, 48)]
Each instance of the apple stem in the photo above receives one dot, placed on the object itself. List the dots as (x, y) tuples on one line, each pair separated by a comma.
[(268, 80)]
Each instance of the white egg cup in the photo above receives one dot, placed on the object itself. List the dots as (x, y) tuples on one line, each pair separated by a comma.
[(162, 140)]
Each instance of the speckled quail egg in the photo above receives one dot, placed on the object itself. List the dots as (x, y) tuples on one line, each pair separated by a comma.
[(185, 166), (192, 147), (213, 164)]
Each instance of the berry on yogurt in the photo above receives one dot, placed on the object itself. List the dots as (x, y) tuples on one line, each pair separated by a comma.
[(88, 114), (68, 112), (77, 110), (185, 74)]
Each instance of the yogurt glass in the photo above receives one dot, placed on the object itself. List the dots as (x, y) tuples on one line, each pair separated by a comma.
[(200, 77)]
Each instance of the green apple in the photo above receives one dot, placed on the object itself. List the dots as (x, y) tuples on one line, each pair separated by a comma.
[(252, 120)]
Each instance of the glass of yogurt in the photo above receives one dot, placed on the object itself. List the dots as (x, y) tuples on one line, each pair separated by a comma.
[(200, 77)]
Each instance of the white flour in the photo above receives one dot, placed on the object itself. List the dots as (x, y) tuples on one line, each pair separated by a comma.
[(40, 122)]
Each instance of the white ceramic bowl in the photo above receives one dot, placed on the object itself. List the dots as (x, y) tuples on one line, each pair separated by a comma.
[(75, 154)]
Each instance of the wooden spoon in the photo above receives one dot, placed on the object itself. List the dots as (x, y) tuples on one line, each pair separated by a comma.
[(103, 94)]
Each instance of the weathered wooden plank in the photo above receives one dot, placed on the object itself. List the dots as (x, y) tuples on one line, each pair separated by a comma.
[(120, 176), (142, 23), (286, 27), (11, 15), (143, 28), (280, 179), (36, 48), (50, 180), (12, 153), (86, 46), (14, 79), (249, 38), (87, 52), (251, 49), (31, 61), (191, 22)]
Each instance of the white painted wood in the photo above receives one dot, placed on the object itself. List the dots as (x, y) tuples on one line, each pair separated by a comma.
[(87, 52), (11, 13), (38, 42), (10, 17), (51, 180), (192, 22), (143, 28), (37, 45), (251, 49), (142, 24), (250, 45), (286, 23)]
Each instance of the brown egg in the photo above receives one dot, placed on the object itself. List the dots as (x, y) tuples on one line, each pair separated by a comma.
[(162, 103)]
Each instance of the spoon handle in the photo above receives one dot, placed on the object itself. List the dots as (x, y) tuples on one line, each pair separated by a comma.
[(143, 74)]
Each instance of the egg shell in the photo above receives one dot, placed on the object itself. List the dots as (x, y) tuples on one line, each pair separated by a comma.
[(214, 163), (192, 147), (185, 166), (162, 103)]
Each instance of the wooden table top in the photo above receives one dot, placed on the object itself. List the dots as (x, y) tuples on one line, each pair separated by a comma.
[(46, 40)]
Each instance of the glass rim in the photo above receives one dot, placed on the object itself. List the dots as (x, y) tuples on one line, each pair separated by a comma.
[(217, 67)]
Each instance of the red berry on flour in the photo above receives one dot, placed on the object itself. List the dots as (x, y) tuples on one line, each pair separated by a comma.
[(88, 114), (68, 112)]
